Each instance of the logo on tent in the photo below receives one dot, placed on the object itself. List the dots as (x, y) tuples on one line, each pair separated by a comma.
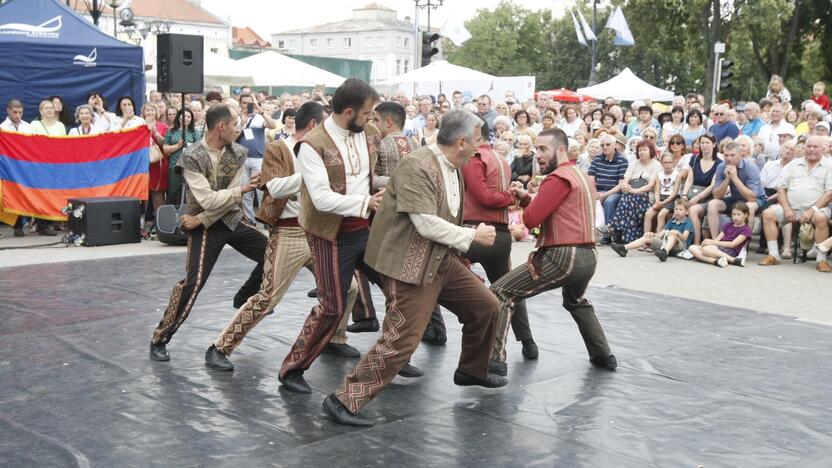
[(47, 29), (86, 60)]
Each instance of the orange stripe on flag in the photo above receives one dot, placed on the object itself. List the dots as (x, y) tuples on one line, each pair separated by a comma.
[(48, 203)]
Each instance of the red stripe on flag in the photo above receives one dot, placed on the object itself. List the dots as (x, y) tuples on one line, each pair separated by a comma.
[(48, 203), (46, 149)]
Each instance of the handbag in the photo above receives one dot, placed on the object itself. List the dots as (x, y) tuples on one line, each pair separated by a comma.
[(156, 154), (695, 190), (637, 182)]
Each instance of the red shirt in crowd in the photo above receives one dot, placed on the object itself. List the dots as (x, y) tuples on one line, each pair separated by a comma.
[(822, 101)]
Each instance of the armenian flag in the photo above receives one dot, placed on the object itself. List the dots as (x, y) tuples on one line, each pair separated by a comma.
[(40, 173)]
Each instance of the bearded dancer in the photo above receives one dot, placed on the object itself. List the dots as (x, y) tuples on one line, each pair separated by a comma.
[(413, 245), (566, 257), (287, 250), (213, 170), (336, 161), (488, 194)]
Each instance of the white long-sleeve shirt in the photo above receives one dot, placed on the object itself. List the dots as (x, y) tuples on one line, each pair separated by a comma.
[(286, 187), (353, 149), (437, 229)]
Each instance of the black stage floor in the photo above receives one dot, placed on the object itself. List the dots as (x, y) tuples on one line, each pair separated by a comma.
[(698, 384)]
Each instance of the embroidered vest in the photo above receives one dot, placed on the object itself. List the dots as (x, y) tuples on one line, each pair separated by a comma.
[(278, 161), (391, 150), (497, 179), (318, 223), (196, 159), (395, 248), (573, 223)]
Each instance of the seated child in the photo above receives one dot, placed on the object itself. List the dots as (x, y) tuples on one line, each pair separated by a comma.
[(729, 246), (673, 239), (666, 189)]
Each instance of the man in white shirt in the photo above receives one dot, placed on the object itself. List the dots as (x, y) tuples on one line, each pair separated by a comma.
[(14, 118), (414, 245), (253, 137), (287, 250), (770, 133), (336, 162)]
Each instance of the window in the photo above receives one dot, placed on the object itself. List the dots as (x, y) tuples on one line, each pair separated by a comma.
[(313, 43), (214, 50), (281, 45), (330, 43), (347, 42), (406, 65), (398, 67), (406, 42)]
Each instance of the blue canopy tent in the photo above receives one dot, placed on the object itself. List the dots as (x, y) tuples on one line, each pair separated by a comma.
[(47, 49)]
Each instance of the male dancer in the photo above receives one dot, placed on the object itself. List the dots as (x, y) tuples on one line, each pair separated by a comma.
[(564, 208), (488, 194), (336, 161), (213, 169), (286, 251), (413, 245)]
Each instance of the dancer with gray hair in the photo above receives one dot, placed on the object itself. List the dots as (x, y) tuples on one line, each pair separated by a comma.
[(415, 244)]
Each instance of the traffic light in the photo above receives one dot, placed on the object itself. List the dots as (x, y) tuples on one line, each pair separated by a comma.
[(428, 49), (725, 74)]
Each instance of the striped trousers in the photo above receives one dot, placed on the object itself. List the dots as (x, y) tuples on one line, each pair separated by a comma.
[(568, 268), (335, 263), (287, 251)]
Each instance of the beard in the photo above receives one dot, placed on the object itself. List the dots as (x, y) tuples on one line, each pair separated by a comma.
[(547, 168), (353, 126)]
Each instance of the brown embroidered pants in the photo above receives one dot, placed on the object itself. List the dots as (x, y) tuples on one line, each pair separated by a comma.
[(409, 308), (287, 252), (568, 268)]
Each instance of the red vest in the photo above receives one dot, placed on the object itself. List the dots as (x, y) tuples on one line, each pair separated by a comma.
[(573, 223), (497, 179)]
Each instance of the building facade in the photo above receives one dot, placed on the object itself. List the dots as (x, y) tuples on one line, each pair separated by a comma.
[(373, 33)]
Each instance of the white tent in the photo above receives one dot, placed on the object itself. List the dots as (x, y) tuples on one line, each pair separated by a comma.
[(271, 68), (439, 71), (627, 87), (219, 70)]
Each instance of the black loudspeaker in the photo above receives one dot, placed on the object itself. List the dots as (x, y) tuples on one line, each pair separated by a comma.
[(105, 221), (179, 66)]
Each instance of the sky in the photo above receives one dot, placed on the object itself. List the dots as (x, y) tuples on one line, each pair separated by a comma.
[(267, 17)]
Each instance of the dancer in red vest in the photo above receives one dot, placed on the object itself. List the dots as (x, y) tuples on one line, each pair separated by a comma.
[(566, 257)]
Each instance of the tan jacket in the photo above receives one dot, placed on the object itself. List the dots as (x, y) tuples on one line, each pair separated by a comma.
[(278, 161), (395, 248)]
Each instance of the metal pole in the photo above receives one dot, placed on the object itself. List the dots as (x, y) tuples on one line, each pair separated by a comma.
[(95, 12), (115, 24), (593, 78), (715, 88)]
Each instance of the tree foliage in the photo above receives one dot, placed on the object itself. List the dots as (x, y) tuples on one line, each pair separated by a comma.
[(674, 44)]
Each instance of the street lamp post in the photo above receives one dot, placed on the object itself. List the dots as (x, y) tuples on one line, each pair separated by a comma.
[(114, 4), (425, 5)]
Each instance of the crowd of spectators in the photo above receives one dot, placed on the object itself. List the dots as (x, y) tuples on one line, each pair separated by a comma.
[(678, 179)]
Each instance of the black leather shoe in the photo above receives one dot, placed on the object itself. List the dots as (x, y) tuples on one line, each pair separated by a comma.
[(294, 382), (606, 362), (605, 241), (434, 337), (18, 232), (159, 352), (312, 293), (497, 367), (530, 350), (491, 381), (619, 249), (239, 301), (342, 349), (340, 414), (216, 360), (410, 371), (363, 326)]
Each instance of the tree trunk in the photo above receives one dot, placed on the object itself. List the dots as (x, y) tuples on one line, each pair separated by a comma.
[(711, 21)]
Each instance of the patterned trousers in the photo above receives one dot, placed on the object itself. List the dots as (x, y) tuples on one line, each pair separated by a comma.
[(287, 251), (409, 308), (568, 268), (496, 261), (335, 264), (363, 308), (204, 247)]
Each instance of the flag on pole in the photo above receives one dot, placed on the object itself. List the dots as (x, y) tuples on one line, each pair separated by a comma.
[(454, 29), (588, 32), (581, 39), (617, 22)]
